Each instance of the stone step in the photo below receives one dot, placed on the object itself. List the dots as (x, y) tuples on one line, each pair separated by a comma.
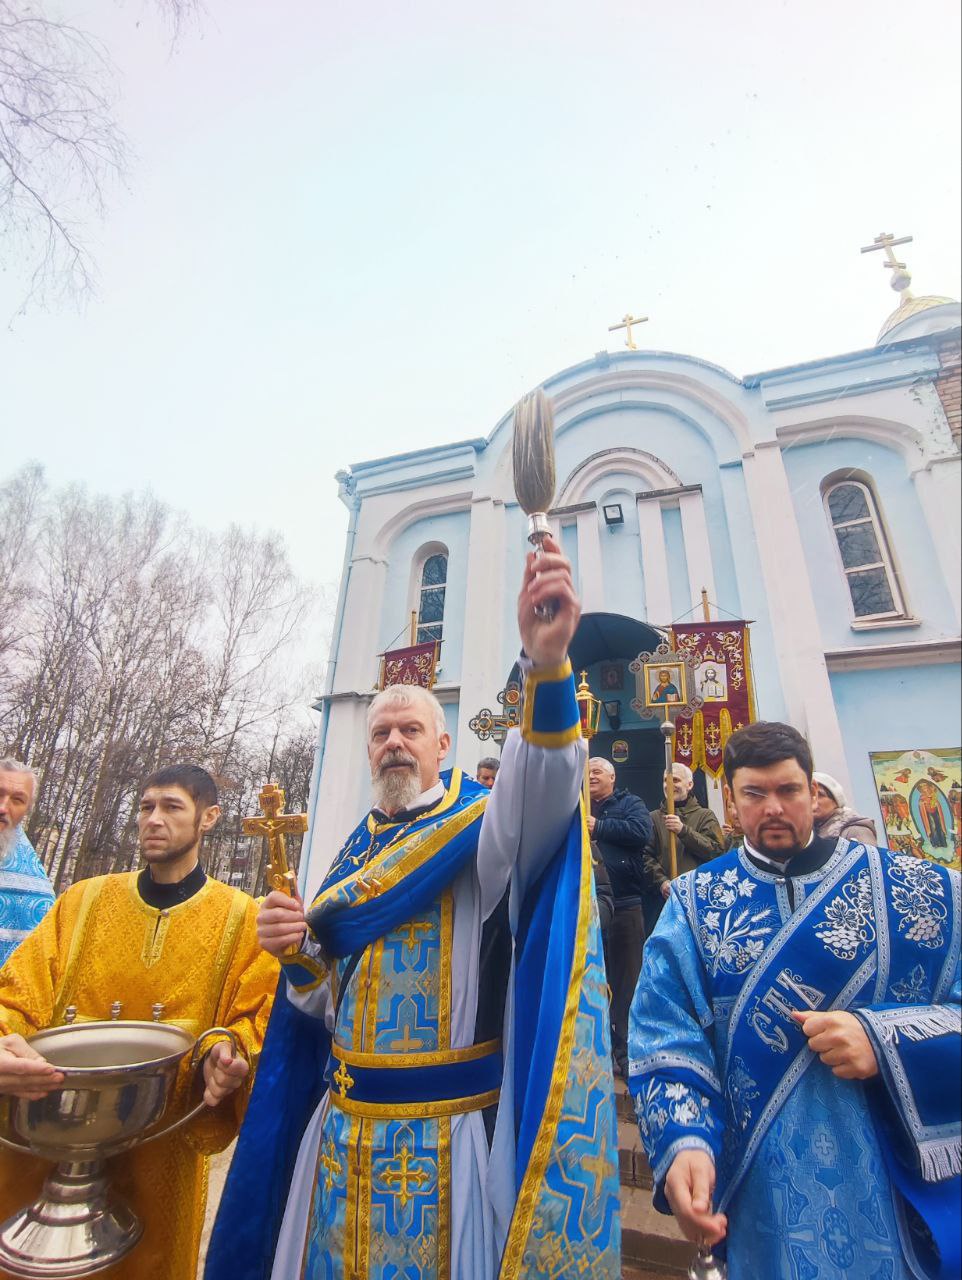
[(633, 1164), (645, 1273), (649, 1239), (652, 1244)]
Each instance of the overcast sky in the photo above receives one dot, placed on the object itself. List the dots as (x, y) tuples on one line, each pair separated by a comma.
[(354, 229)]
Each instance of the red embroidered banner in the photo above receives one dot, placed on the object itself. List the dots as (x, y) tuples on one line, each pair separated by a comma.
[(723, 677), (413, 665)]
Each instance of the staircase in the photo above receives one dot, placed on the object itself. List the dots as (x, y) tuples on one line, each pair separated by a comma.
[(652, 1246)]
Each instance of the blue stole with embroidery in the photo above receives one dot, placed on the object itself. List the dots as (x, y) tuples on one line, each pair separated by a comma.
[(382, 877), (365, 895), (872, 917)]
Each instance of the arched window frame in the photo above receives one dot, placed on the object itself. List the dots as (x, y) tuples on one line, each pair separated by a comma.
[(434, 630), (886, 562)]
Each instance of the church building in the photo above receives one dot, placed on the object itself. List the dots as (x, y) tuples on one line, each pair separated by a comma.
[(820, 501)]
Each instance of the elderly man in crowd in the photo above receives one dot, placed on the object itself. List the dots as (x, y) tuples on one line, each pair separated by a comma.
[(26, 894), (698, 837), (620, 827)]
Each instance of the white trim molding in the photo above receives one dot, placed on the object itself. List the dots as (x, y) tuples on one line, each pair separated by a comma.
[(912, 653)]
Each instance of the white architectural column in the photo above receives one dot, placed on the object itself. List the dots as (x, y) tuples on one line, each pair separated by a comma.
[(654, 562), (341, 795), (795, 628), (938, 490), (481, 675), (591, 572), (356, 657), (697, 547)]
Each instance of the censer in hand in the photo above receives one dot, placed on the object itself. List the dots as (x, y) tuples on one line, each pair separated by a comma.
[(705, 1266)]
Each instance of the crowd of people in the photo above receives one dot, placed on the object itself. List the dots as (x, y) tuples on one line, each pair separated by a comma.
[(421, 1060)]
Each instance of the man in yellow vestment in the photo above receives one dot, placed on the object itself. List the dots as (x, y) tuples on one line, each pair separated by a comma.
[(165, 935)]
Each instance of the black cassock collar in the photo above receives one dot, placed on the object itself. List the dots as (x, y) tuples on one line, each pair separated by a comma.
[(162, 896)]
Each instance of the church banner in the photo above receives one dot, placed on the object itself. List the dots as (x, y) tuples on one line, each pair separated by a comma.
[(721, 656), (412, 665)]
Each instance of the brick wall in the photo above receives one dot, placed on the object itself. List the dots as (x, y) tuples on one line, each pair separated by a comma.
[(949, 387)]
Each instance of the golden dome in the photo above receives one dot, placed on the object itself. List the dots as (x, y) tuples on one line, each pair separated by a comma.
[(911, 306)]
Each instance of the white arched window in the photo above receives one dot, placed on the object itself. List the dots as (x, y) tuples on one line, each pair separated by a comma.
[(863, 550), (430, 597)]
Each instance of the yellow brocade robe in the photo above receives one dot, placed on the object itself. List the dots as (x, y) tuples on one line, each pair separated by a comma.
[(100, 943)]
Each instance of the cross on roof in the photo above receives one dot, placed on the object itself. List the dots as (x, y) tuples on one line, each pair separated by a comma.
[(627, 320), (901, 277)]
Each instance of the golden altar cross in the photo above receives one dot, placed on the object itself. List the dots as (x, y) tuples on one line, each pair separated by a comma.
[(403, 1176), (274, 825), (627, 321)]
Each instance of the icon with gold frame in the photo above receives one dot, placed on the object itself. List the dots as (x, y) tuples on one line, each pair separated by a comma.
[(665, 683)]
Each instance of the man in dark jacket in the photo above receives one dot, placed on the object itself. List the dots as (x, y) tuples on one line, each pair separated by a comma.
[(698, 837), (620, 826)]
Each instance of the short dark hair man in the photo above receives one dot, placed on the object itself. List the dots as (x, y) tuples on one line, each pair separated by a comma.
[(620, 826), (487, 771), (797, 1023), (166, 934)]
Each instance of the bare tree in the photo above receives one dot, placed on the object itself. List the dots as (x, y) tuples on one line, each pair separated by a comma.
[(134, 640), (60, 146)]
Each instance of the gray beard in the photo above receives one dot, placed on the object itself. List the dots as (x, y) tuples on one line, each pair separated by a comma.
[(395, 789), (8, 838)]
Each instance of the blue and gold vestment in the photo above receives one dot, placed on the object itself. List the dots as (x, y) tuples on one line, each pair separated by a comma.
[(26, 895), (821, 1178), (401, 1147)]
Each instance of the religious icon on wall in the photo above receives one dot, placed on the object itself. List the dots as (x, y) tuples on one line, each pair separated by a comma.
[(920, 794), (665, 683), (711, 681), (612, 676)]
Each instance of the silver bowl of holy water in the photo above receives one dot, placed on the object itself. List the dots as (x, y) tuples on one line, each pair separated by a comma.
[(118, 1081)]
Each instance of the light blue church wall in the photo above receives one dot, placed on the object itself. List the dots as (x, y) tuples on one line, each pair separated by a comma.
[(898, 709), (681, 602), (750, 593), (909, 538), (452, 531)]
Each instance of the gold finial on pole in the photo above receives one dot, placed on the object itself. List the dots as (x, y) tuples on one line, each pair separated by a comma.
[(627, 321), (589, 711), (901, 277)]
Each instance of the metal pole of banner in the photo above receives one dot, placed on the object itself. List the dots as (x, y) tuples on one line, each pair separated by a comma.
[(706, 611), (668, 731), (414, 628)]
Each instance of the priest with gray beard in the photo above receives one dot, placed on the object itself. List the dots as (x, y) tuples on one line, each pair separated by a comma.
[(26, 894), (394, 1124)]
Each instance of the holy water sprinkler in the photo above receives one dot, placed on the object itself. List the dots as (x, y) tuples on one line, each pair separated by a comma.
[(534, 469)]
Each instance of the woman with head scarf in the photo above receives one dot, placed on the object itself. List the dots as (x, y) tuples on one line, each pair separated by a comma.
[(835, 817)]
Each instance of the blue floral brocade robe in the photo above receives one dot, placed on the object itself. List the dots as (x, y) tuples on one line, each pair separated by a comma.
[(821, 1178)]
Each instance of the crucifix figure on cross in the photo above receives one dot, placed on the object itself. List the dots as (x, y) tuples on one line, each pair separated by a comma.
[(627, 321), (274, 825)]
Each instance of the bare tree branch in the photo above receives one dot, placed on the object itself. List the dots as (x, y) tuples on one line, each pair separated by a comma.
[(61, 148)]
